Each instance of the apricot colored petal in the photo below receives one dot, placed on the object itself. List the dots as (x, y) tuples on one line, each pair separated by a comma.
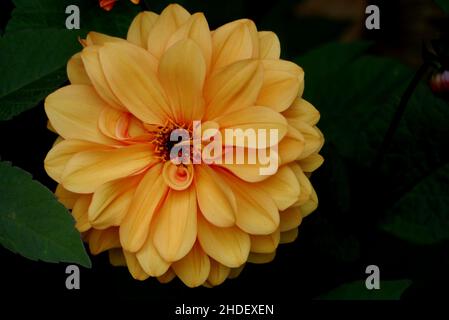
[(121, 126), (167, 277), (265, 243), (175, 225), (290, 218), (235, 41), (311, 163), (102, 240), (261, 258), (74, 111), (310, 205), (196, 29), (92, 64), (281, 85), (257, 123), (194, 268), (182, 71), (134, 267), (305, 185), (76, 71), (88, 170), (98, 39), (141, 27), (289, 236), (110, 202), (150, 260), (301, 110), (233, 88), (283, 187), (66, 197), (257, 212), (218, 273), (215, 198), (229, 246), (131, 74), (148, 197), (269, 45), (291, 147), (170, 19), (79, 212), (57, 158)]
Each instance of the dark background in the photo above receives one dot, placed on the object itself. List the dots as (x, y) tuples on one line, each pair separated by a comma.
[(332, 247)]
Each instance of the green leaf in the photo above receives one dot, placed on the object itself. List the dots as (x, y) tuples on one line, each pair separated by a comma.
[(30, 64), (41, 14), (33, 223), (389, 290), (37, 46), (357, 97), (444, 4)]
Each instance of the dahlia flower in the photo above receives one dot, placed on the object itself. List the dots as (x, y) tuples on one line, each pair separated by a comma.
[(200, 221)]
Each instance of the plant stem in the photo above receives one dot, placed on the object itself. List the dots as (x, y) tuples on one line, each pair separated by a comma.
[(394, 124)]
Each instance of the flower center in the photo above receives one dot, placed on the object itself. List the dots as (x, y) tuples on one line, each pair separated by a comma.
[(168, 136)]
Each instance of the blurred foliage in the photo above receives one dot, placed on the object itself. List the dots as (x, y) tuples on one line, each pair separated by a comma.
[(396, 213)]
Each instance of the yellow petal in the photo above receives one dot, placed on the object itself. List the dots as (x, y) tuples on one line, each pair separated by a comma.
[(215, 199), (304, 183), (283, 187), (290, 218), (141, 27), (102, 240), (150, 260), (121, 126), (260, 258), (116, 258), (255, 122), (235, 272), (229, 246), (170, 19), (66, 197), (182, 71), (96, 38), (149, 195), (291, 147), (88, 170), (311, 163), (313, 138), (289, 236), (235, 41), (76, 71), (79, 212), (74, 111), (247, 164), (194, 268), (257, 212), (282, 80), (175, 225), (111, 201), (131, 73), (167, 277), (57, 158), (302, 110), (196, 29), (91, 61), (269, 46), (134, 267), (233, 88), (218, 273), (266, 243), (310, 205)]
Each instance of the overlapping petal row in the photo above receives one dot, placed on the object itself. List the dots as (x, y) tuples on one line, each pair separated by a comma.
[(200, 222)]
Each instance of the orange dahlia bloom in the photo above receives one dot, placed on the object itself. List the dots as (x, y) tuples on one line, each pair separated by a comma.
[(109, 4), (201, 222)]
